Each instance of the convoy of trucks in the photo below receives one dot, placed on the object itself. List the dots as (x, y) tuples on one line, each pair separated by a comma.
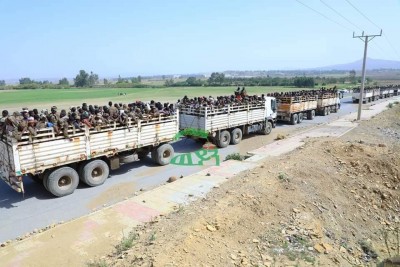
[(89, 154), (375, 93)]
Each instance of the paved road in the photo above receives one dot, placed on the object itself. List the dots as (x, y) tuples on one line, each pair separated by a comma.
[(20, 214)]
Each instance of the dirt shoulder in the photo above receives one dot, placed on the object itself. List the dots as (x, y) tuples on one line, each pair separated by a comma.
[(325, 204)]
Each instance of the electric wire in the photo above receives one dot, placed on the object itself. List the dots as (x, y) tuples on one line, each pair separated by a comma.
[(384, 35), (324, 15), (362, 14), (334, 10)]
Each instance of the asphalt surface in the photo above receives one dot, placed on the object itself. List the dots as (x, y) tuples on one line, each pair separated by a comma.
[(37, 208)]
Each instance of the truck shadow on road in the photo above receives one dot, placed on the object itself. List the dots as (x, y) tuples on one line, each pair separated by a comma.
[(9, 198)]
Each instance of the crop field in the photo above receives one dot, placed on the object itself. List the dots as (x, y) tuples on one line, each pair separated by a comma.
[(43, 98)]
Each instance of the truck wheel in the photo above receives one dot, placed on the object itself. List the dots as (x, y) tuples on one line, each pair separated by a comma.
[(45, 178), (328, 110), (311, 115), (300, 117), (163, 154), (236, 136), (267, 128), (62, 181), (223, 139), (94, 173), (325, 111), (294, 119)]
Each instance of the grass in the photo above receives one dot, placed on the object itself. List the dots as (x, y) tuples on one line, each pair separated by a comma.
[(101, 96), (97, 263), (234, 156), (283, 177), (126, 243), (390, 105)]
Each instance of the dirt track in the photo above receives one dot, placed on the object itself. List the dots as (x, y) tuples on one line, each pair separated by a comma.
[(324, 204)]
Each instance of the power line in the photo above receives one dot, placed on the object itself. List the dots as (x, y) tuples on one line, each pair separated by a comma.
[(323, 15), (394, 49), (362, 14), (378, 48), (340, 15), (385, 35)]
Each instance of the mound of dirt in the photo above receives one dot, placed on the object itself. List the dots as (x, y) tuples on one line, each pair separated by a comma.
[(332, 202)]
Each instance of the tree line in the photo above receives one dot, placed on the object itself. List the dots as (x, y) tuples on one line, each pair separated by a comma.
[(86, 79)]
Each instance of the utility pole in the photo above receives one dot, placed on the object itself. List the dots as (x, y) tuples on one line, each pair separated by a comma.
[(365, 39)]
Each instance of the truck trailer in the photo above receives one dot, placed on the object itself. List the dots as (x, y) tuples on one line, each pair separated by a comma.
[(294, 109), (227, 125), (87, 155)]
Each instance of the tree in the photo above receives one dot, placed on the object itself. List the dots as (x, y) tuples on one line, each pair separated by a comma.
[(82, 79), (121, 80), (2, 82), (191, 81), (304, 82), (216, 78), (139, 79), (169, 83), (63, 81), (25, 81), (93, 79), (105, 81), (352, 76)]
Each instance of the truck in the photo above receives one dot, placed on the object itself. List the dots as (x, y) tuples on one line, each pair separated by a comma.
[(385, 92), (227, 125), (328, 102), (87, 155), (368, 96), (294, 109)]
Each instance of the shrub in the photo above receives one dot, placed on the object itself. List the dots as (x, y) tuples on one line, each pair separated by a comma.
[(234, 156)]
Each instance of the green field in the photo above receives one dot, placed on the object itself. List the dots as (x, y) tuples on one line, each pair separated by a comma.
[(30, 98)]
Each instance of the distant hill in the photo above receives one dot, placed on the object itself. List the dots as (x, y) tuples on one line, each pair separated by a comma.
[(372, 64)]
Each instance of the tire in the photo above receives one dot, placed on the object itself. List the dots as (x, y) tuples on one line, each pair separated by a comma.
[(325, 111), (62, 181), (267, 128), (312, 114), (94, 173), (294, 119), (328, 110), (224, 139), (236, 136), (163, 154), (154, 154), (300, 117), (45, 178)]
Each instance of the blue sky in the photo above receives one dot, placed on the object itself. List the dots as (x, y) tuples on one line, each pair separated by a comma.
[(52, 39)]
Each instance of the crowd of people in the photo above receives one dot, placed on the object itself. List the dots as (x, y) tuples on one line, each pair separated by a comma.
[(93, 116), (318, 92), (239, 97), (18, 123)]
